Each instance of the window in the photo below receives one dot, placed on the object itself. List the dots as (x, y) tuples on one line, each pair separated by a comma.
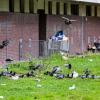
[(49, 7), (22, 6), (31, 6), (11, 5), (74, 9), (65, 8), (88, 10), (95, 11), (57, 8)]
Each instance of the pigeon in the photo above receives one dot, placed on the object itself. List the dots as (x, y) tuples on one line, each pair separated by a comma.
[(69, 75), (60, 76), (12, 73), (29, 74), (8, 60), (67, 20), (86, 72), (1, 46), (69, 66), (55, 69), (4, 44), (21, 76)]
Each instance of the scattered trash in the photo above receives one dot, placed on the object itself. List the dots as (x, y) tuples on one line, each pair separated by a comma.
[(64, 58), (3, 84), (75, 74), (1, 97), (72, 87), (39, 85), (62, 53), (15, 77), (90, 60)]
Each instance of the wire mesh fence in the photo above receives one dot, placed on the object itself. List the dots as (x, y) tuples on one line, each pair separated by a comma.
[(21, 50)]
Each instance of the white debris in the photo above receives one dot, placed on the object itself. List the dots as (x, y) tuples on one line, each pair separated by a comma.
[(64, 58), (3, 84), (72, 87), (75, 74), (62, 53), (55, 75), (90, 60), (1, 97), (15, 77), (39, 85)]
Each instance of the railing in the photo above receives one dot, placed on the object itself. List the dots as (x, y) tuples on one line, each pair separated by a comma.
[(21, 50)]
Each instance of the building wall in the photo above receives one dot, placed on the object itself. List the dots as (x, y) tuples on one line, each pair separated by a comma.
[(81, 32), (43, 5), (4, 5), (16, 28)]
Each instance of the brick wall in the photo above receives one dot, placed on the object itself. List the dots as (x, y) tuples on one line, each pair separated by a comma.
[(14, 27), (78, 32)]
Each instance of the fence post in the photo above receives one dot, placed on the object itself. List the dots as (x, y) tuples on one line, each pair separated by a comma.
[(20, 49)]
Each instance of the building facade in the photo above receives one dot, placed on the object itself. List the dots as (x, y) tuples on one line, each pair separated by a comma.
[(25, 22)]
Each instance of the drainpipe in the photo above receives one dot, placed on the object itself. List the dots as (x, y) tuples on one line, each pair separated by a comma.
[(82, 32)]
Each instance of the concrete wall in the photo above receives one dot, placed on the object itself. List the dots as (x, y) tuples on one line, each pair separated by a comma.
[(43, 4), (4, 5)]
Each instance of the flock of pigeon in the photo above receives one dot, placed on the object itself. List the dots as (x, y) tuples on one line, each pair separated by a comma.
[(15, 76), (56, 72)]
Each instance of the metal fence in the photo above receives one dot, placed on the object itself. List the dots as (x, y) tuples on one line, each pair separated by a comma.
[(32, 49), (35, 48), (22, 50)]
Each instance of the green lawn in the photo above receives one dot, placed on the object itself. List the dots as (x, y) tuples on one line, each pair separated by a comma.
[(52, 88)]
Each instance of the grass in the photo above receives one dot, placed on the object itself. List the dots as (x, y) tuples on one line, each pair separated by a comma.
[(52, 88)]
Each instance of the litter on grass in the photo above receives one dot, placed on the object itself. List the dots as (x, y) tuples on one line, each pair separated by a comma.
[(3, 84), (73, 87), (39, 85), (1, 97)]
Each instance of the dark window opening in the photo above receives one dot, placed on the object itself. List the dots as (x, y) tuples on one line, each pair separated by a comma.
[(31, 6), (22, 6), (57, 8), (49, 7), (95, 11), (74, 9), (11, 5), (65, 8), (88, 10)]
